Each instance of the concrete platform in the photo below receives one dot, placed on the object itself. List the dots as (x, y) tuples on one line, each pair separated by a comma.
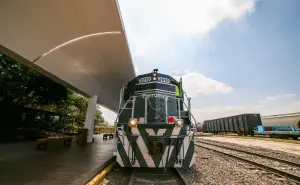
[(21, 163)]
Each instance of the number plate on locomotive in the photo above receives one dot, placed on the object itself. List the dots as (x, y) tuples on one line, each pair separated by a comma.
[(164, 80), (145, 79), (149, 79)]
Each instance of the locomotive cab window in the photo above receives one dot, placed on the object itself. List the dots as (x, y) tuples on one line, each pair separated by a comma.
[(154, 86)]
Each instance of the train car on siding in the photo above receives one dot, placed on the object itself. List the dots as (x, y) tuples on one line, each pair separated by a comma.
[(155, 127), (282, 119), (243, 124)]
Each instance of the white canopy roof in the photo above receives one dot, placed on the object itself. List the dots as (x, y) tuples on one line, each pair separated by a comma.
[(92, 55)]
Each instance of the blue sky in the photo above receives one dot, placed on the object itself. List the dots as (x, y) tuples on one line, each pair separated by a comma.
[(235, 56)]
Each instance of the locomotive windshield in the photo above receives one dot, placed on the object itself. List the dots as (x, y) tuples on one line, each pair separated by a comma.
[(151, 87)]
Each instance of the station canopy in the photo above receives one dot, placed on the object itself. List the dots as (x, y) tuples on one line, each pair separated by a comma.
[(81, 44)]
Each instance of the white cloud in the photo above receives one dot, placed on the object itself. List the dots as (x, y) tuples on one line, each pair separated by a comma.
[(108, 115), (137, 71), (268, 106), (195, 83), (202, 16), (280, 96), (153, 24)]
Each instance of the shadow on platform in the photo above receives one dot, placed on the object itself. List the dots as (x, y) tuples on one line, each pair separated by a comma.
[(21, 163)]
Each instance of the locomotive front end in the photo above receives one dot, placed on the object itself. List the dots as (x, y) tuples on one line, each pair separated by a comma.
[(154, 127)]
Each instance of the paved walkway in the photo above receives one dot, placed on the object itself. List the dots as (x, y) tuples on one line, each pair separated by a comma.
[(21, 163)]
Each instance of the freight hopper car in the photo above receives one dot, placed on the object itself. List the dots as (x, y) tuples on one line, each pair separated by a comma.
[(243, 124), (155, 127), (282, 119)]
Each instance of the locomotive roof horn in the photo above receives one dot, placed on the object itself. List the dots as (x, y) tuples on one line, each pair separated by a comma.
[(155, 70)]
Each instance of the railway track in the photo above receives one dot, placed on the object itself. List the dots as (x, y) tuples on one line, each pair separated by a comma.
[(281, 167), (156, 176), (297, 141), (295, 164)]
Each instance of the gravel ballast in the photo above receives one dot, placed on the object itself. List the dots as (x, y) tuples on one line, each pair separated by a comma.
[(260, 160), (254, 142), (264, 151), (214, 168)]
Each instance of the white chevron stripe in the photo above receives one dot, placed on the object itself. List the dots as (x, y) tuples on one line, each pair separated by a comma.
[(136, 164), (119, 160), (193, 160), (177, 165), (150, 131), (161, 132), (191, 132), (185, 145), (175, 132), (164, 158), (125, 144), (141, 144)]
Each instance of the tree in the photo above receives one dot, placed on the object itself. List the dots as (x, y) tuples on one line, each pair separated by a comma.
[(98, 117), (74, 108), (24, 86), (20, 85)]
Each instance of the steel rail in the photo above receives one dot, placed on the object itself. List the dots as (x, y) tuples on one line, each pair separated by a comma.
[(253, 153), (181, 177), (177, 172), (290, 176), (132, 177)]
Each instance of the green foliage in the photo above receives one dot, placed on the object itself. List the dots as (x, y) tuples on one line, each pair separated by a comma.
[(98, 117), (104, 130), (74, 109), (26, 87)]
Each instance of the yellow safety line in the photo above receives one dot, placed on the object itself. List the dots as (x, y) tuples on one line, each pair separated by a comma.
[(100, 176)]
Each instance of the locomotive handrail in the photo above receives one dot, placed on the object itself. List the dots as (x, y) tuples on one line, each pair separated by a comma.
[(190, 113), (194, 122), (189, 107), (132, 97), (121, 96), (117, 119)]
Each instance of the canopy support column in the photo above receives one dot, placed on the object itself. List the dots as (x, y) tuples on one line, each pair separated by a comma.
[(90, 117)]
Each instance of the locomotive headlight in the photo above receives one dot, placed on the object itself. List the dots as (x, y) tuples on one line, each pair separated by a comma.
[(132, 122), (179, 123)]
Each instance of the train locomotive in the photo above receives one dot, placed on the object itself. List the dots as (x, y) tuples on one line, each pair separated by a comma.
[(154, 126)]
